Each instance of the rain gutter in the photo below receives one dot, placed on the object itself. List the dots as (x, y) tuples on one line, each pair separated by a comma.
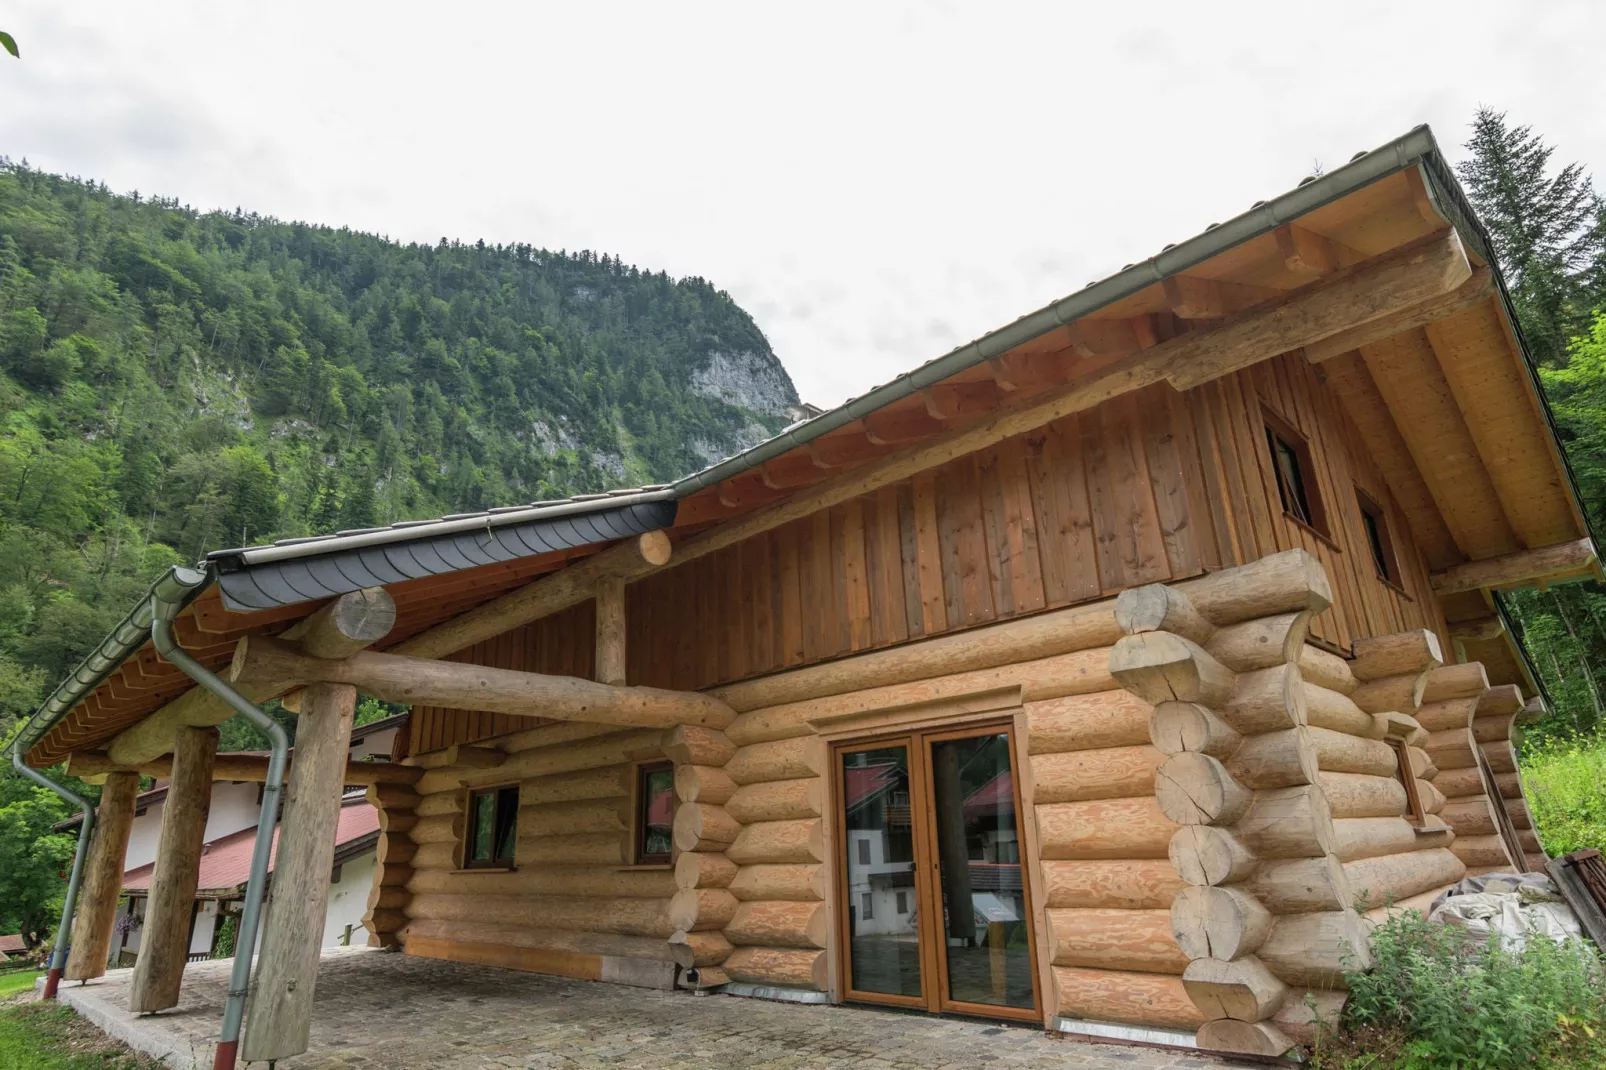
[(58, 952), (245, 939)]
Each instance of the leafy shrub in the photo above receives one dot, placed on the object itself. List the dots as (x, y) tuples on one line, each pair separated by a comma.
[(1435, 999), (1566, 789)]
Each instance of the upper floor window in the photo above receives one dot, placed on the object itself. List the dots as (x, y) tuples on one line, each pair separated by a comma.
[(493, 827), (655, 813), (1376, 523), (1295, 472)]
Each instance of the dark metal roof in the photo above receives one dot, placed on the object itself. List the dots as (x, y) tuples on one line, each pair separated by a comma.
[(325, 568)]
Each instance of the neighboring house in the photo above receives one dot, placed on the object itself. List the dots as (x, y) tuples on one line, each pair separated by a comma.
[(230, 831), (11, 946), (1088, 676), (225, 865)]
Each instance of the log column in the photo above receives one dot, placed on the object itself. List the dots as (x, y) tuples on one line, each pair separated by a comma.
[(103, 878), (703, 905), (280, 1016), (165, 945), (1264, 907), (393, 863)]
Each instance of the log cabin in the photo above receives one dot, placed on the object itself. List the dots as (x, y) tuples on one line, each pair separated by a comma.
[(1111, 672)]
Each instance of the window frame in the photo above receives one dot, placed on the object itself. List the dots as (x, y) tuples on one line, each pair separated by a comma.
[(498, 817), (1414, 813), (639, 855), (1388, 568), (1281, 430)]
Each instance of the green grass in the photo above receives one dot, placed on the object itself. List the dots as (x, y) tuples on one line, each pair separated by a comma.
[(49, 1036), (1566, 788), (21, 981)]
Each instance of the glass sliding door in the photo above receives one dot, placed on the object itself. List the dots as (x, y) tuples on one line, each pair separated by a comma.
[(933, 905), (986, 946), (880, 912)]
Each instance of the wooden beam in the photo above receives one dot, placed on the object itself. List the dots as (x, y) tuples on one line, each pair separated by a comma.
[(560, 590), (165, 944), (894, 427), (1479, 287), (279, 1022), (263, 662), (1524, 566), (957, 401), (103, 878), (345, 624), (611, 632), (252, 768)]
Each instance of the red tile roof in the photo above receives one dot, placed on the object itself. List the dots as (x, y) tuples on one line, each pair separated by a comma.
[(226, 862), (10, 945)]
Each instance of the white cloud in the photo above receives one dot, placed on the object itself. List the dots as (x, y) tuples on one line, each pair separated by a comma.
[(875, 183)]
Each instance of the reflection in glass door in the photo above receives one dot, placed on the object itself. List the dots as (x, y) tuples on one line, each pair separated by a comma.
[(883, 919), (986, 945), (933, 897)]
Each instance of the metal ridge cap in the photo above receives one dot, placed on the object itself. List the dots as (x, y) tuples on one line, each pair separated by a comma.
[(178, 586), (1388, 158), (262, 555)]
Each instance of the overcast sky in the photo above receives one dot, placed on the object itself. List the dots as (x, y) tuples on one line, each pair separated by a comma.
[(875, 182)]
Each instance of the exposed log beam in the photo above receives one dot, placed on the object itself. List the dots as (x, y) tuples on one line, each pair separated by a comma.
[(1477, 288), (610, 661), (1310, 255), (242, 767), (571, 586), (958, 401), (895, 427), (1524, 566), (263, 662), (345, 624), (1373, 288)]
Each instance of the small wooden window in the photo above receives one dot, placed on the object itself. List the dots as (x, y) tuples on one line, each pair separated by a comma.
[(1295, 472), (1413, 811), (655, 813), (493, 828), (1376, 523)]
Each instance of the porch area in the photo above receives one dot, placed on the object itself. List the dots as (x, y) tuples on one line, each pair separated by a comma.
[(394, 1011)]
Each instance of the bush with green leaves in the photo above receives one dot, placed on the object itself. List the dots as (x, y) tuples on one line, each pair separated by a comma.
[(1565, 782), (1436, 999)]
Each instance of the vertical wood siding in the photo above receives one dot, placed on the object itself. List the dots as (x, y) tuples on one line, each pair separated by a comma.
[(1152, 487), (1248, 510), (1079, 509)]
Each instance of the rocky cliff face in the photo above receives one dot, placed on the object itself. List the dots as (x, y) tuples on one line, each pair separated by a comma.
[(748, 380)]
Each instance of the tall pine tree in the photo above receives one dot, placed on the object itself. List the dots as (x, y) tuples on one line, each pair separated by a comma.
[(1547, 231)]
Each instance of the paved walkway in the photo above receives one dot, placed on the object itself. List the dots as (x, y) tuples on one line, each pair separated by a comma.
[(395, 1012)]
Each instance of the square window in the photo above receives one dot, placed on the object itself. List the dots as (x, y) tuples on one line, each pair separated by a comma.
[(1376, 523), (493, 829), (655, 813), (1295, 473)]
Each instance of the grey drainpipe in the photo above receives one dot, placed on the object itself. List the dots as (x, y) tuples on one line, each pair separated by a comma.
[(58, 953), (228, 1044)]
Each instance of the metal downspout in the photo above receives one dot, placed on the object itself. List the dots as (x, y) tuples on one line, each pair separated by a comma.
[(58, 953), (245, 939)]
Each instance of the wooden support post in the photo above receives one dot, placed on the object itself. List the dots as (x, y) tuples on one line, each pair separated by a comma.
[(165, 944), (611, 632), (103, 878), (1524, 566), (279, 1021)]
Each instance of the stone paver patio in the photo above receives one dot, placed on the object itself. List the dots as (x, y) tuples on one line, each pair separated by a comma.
[(396, 1012)]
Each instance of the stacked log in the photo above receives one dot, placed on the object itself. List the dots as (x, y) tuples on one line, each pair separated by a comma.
[(1387, 860), (386, 918), (572, 903), (1458, 698), (1263, 904), (705, 827)]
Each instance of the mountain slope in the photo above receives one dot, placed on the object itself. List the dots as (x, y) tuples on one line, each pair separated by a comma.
[(176, 381)]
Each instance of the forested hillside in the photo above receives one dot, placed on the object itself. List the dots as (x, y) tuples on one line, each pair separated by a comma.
[(177, 381)]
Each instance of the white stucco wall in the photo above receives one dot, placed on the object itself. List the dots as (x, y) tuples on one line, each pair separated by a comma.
[(348, 901), (379, 743), (234, 807)]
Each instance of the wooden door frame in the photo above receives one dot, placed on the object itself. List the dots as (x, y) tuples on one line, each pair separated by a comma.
[(917, 738)]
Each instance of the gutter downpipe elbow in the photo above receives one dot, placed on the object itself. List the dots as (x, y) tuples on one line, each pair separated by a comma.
[(58, 953), (245, 938)]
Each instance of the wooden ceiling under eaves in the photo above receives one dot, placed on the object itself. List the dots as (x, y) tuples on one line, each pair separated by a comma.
[(1447, 410)]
